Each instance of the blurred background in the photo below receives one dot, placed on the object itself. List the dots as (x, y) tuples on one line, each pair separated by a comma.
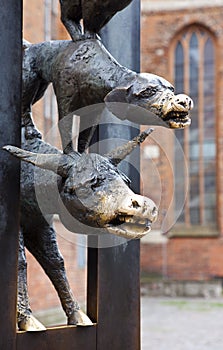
[(180, 170)]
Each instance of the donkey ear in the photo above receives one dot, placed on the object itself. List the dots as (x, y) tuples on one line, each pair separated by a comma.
[(119, 153), (58, 163)]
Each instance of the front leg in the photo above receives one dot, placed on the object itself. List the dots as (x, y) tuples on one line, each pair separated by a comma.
[(26, 321), (73, 28), (85, 137), (89, 120), (88, 126), (30, 130), (65, 128), (71, 14), (43, 246)]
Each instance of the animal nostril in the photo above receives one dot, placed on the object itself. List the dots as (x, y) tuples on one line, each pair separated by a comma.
[(154, 211), (191, 104), (182, 103), (135, 204)]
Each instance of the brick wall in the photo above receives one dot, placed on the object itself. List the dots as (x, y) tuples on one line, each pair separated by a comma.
[(41, 291), (185, 258)]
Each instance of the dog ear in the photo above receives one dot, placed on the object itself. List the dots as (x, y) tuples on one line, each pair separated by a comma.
[(118, 94), (117, 101)]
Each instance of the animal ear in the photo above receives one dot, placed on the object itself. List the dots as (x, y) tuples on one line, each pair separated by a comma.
[(117, 102), (119, 153), (58, 163), (118, 94)]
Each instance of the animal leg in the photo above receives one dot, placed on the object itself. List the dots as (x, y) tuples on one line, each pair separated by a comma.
[(88, 126), (65, 128), (30, 130), (85, 138), (71, 14), (43, 246), (73, 28), (65, 123), (26, 321), (90, 35)]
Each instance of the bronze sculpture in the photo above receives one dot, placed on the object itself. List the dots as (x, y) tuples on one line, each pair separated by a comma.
[(84, 182), (84, 73), (95, 14)]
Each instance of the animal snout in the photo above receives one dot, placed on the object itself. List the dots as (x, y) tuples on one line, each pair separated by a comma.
[(135, 204), (184, 101), (154, 212), (144, 207)]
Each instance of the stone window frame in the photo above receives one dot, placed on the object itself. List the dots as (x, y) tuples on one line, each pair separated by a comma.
[(185, 227)]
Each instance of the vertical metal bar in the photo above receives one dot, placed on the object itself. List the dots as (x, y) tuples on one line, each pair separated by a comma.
[(10, 110), (92, 280), (118, 265)]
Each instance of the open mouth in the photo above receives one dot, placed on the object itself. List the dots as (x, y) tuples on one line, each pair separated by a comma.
[(129, 226), (177, 120)]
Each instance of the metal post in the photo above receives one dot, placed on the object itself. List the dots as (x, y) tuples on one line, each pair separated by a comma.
[(122, 38), (10, 110), (118, 266)]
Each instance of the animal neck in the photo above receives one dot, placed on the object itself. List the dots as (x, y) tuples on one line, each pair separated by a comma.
[(126, 77)]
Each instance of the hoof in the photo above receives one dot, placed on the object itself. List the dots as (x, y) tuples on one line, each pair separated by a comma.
[(31, 324), (79, 318)]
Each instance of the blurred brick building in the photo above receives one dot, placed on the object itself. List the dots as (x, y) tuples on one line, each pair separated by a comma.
[(183, 41)]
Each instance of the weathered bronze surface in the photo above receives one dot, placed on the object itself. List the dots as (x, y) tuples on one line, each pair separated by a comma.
[(83, 73), (95, 14), (90, 188), (93, 191)]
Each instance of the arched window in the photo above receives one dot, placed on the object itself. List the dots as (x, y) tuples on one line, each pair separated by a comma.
[(194, 74)]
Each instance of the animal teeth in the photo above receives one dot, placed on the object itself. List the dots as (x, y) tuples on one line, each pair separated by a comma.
[(148, 224), (133, 220), (122, 218), (173, 116), (129, 219)]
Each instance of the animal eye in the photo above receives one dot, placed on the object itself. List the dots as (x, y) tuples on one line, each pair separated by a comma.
[(148, 92), (97, 183)]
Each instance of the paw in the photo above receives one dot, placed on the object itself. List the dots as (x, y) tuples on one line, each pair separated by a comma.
[(91, 35), (77, 37), (79, 318), (30, 324)]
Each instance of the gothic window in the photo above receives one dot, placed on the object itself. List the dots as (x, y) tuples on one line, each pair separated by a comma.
[(194, 74)]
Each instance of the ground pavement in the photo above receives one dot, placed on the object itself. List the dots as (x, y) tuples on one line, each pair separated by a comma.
[(182, 324)]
